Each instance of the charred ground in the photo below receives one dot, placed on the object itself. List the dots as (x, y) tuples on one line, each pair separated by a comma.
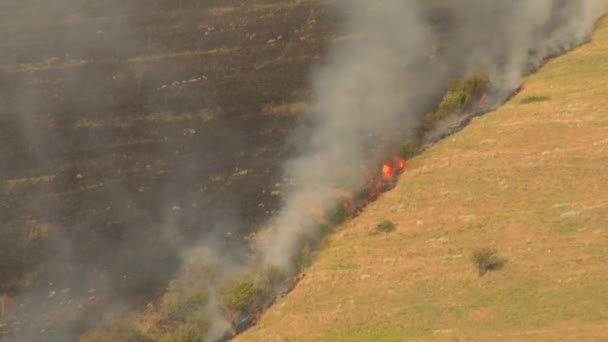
[(129, 130)]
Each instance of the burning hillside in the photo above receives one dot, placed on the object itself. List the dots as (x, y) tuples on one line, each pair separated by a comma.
[(118, 180)]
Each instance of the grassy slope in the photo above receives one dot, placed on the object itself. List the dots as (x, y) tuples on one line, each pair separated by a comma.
[(528, 179)]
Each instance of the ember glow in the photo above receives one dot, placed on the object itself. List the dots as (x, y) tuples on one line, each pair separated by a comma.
[(392, 168), (377, 182), (387, 172)]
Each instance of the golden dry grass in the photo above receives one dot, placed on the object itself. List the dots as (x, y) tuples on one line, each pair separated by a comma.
[(530, 180)]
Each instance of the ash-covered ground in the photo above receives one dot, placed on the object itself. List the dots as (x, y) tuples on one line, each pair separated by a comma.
[(130, 130)]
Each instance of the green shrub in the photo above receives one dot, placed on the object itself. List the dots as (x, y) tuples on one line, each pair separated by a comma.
[(123, 331), (459, 98), (533, 99), (487, 259), (240, 295), (386, 226), (462, 93)]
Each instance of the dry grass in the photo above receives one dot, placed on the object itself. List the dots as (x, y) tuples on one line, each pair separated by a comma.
[(537, 193)]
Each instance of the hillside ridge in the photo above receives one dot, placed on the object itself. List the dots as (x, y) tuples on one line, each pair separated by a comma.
[(526, 179)]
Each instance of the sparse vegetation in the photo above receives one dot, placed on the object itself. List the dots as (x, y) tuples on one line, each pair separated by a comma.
[(487, 259), (462, 93), (123, 330), (240, 295), (184, 299), (187, 295), (460, 97), (194, 332), (386, 226), (534, 99)]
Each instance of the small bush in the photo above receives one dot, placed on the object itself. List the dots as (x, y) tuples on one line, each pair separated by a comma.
[(124, 331), (462, 93), (181, 302), (241, 295), (386, 226), (487, 259), (534, 99), (459, 97)]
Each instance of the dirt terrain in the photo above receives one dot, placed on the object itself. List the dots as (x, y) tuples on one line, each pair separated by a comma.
[(529, 180), (129, 129)]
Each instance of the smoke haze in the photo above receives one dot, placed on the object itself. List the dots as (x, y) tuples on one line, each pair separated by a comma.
[(142, 146), (371, 91)]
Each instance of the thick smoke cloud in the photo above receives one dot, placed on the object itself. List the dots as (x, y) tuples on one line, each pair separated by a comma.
[(373, 89)]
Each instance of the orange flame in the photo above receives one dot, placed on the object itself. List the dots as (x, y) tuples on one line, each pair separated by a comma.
[(400, 163), (387, 172)]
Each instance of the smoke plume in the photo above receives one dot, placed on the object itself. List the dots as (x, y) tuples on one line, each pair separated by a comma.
[(127, 128), (372, 89)]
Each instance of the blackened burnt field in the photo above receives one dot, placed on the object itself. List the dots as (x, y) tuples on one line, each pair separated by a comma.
[(132, 129)]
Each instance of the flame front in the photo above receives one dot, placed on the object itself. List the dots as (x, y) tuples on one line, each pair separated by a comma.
[(387, 172)]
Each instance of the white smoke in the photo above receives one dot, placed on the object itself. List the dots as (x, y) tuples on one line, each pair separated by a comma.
[(405, 53)]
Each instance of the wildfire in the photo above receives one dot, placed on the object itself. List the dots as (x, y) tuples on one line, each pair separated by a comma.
[(252, 316), (391, 168), (387, 172)]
